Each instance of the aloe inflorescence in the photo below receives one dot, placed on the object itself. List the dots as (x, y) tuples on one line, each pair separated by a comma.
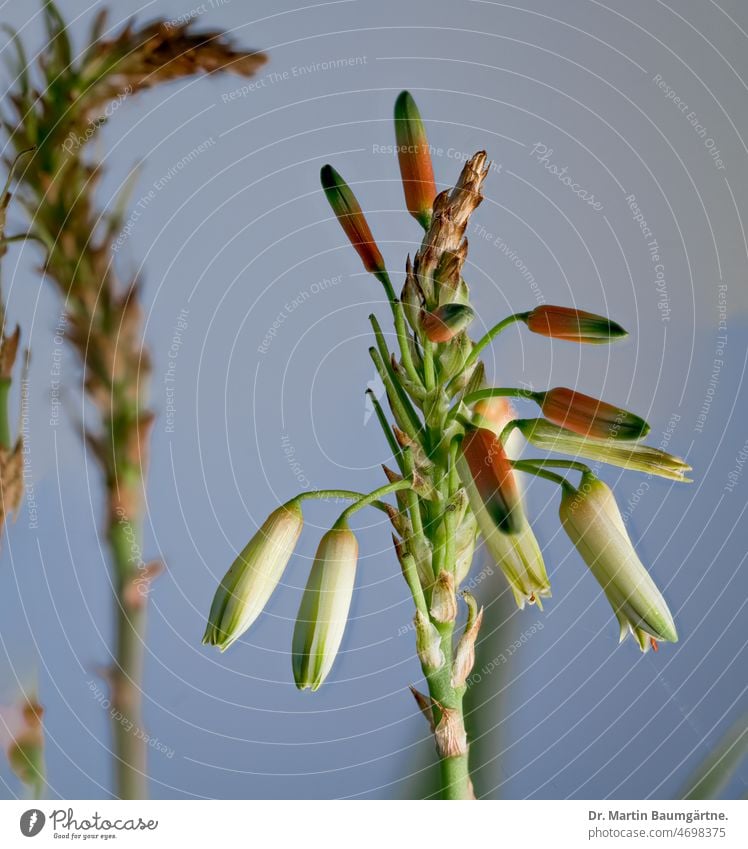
[(456, 480), (55, 109)]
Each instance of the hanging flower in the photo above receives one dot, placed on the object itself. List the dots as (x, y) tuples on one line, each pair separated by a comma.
[(594, 524), (488, 468), (324, 609), (249, 583)]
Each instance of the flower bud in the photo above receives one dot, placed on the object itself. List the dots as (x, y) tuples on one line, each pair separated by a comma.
[(594, 524), (351, 218), (489, 469), (467, 530), (589, 417), (411, 296), (249, 583), (573, 325), (415, 159), (516, 554), (464, 658), (446, 321), (428, 643), (443, 602), (643, 458), (324, 609)]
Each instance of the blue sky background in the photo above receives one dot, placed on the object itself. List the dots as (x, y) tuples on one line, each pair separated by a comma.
[(240, 236)]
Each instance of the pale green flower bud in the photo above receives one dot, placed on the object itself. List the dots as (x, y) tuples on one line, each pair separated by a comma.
[(443, 602), (325, 606), (249, 583), (594, 523), (467, 531), (428, 643), (627, 455)]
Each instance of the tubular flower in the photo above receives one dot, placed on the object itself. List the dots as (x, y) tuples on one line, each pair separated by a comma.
[(594, 524), (488, 468), (415, 159), (573, 325), (643, 458), (249, 583), (589, 417), (445, 322), (494, 414), (348, 212), (516, 554), (323, 613)]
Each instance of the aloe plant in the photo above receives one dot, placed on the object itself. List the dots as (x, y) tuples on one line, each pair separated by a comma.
[(455, 481)]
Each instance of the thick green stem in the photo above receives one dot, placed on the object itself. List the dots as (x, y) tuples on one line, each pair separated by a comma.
[(131, 776), (454, 769), (455, 778)]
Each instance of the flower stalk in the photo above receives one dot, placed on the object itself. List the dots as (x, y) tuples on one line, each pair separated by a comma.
[(58, 116)]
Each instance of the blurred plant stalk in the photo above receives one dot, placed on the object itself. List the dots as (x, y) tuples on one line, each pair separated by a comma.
[(57, 109), (456, 481), (11, 450)]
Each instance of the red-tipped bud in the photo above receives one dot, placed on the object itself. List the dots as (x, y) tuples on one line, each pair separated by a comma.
[(493, 477), (573, 325), (446, 321), (590, 417), (351, 218), (415, 159)]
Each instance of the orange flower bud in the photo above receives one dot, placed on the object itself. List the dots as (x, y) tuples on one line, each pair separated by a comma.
[(492, 474), (590, 417), (446, 321), (351, 218), (415, 159), (573, 325)]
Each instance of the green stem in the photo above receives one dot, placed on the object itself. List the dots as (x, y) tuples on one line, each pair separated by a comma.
[(402, 409), (347, 494), (400, 327), (454, 770), (561, 464), (385, 425), (492, 334), (372, 498), (131, 777), (494, 392), (526, 466), (455, 775), (428, 364)]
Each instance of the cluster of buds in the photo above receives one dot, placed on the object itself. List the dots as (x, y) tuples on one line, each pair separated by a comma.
[(453, 439)]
